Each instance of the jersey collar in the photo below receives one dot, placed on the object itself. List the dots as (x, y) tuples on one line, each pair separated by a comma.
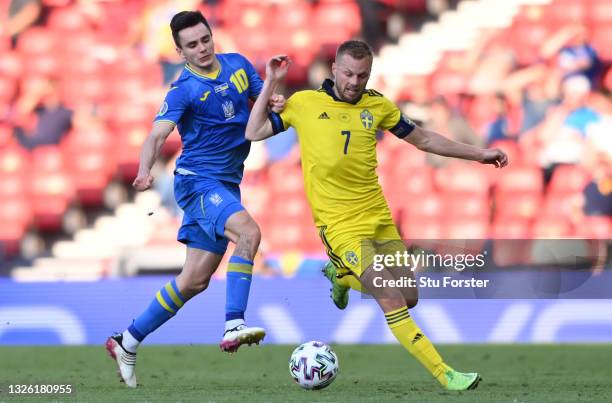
[(328, 87)]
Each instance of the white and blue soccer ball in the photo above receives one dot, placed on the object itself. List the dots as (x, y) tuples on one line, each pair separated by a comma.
[(313, 365)]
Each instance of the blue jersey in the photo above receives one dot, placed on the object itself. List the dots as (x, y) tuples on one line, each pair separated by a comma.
[(211, 116)]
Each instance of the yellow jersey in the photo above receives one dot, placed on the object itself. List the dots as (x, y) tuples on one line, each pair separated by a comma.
[(338, 146)]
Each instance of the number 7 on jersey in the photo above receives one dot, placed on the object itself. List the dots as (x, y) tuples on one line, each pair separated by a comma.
[(346, 133)]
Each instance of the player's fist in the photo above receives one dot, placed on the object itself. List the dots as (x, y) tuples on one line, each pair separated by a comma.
[(277, 67), (143, 182), (495, 157), (277, 103)]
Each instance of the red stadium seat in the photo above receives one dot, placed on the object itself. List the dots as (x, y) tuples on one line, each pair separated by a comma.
[(595, 227), (47, 159), (600, 40), (517, 205), (285, 180), (599, 12), (466, 205), (466, 228), (36, 41), (511, 228), (11, 65), (15, 209), (552, 227), (90, 170), (8, 89), (424, 207), (51, 194), (520, 179), (463, 178), (562, 12), (13, 184), (568, 179), (421, 228), (68, 20), (14, 159)]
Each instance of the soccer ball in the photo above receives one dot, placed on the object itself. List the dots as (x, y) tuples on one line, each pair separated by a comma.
[(313, 365)]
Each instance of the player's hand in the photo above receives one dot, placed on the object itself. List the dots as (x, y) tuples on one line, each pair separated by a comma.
[(277, 67), (143, 182), (277, 103), (495, 157)]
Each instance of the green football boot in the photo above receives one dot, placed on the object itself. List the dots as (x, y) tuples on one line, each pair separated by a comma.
[(462, 381), (339, 294)]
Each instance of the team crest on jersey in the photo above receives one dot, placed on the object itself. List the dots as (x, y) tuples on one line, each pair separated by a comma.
[(367, 120), (163, 109), (216, 199), (352, 258), (228, 110)]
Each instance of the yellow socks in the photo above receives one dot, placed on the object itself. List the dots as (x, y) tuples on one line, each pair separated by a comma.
[(412, 339)]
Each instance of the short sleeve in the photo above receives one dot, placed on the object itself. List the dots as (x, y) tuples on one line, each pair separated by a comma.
[(395, 121), (174, 105)]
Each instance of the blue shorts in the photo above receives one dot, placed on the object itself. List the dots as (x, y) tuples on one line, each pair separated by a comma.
[(207, 204)]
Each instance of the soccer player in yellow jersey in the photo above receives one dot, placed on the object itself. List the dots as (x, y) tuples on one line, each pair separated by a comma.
[(336, 127)]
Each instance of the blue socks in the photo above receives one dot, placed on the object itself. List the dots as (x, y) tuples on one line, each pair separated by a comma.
[(166, 303), (239, 274)]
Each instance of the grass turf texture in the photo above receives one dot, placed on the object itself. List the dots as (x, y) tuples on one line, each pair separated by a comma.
[(541, 373)]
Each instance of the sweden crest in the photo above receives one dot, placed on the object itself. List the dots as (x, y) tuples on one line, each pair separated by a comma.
[(367, 120), (352, 258)]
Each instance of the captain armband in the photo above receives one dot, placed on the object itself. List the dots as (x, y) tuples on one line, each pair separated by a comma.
[(277, 122), (403, 128)]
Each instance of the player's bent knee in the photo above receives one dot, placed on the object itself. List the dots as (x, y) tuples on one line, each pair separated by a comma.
[(250, 234)]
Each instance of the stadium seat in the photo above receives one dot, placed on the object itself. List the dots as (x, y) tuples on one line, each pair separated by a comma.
[(520, 180), (11, 65), (466, 228), (510, 228), (557, 226), (568, 179), (36, 41), (8, 89), (47, 159), (599, 12), (14, 159), (68, 20), (463, 178), (517, 205), (426, 206), (600, 40), (421, 228), (13, 184), (466, 205), (594, 227), (90, 170)]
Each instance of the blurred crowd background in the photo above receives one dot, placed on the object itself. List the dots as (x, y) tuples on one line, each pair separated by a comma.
[(80, 82)]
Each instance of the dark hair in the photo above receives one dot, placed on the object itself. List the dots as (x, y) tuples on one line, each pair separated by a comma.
[(356, 49), (186, 19)]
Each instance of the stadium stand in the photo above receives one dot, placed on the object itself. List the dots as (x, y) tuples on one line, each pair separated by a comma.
[(467, 56)]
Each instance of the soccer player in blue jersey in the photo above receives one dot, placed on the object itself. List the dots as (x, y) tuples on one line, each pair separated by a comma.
[(209, 104)]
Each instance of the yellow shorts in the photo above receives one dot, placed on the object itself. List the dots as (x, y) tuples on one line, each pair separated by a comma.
[(352, 249)]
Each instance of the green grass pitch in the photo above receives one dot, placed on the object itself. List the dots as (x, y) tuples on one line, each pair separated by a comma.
[(369, 373)]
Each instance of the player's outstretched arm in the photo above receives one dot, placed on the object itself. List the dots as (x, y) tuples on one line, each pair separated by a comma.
[(258, 126), (432, 142), (149, 153)]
